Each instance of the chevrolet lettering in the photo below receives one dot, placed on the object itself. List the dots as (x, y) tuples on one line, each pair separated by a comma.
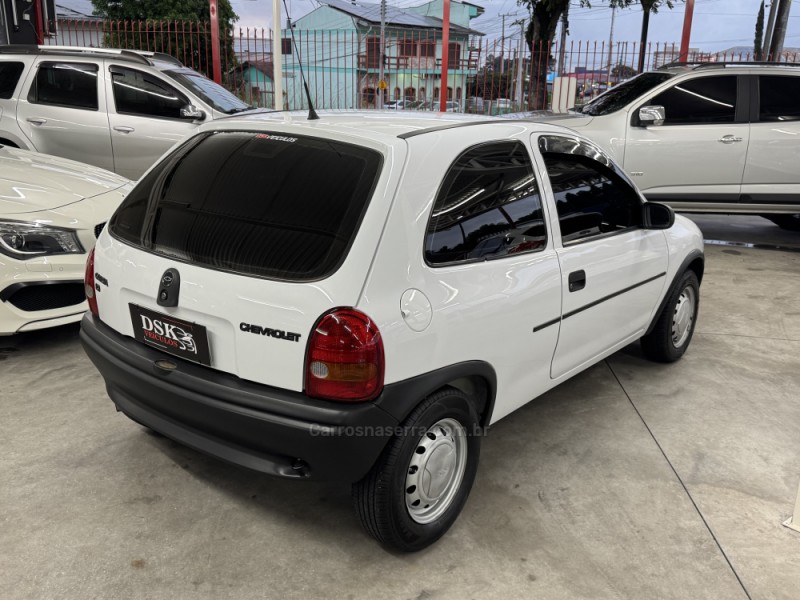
[(276, 333)]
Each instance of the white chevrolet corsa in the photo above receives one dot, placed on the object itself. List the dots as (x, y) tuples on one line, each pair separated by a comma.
[(51, 210), (357, 297)]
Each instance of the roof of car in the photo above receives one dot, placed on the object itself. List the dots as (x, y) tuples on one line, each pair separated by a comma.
[(158, 59), (683, 67), (377, 125)]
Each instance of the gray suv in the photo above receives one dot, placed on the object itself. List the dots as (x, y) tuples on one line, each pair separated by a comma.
[(116, 109)]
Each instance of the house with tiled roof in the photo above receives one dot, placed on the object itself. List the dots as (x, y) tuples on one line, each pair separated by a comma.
[(339, 46)]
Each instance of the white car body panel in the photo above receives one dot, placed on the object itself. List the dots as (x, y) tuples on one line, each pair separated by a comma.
[(693, 166), (221, 301), (485, 311), (56, 130), (52, 191)]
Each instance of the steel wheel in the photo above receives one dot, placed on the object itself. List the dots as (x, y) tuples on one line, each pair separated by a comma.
[(436, 469), (683, 318)]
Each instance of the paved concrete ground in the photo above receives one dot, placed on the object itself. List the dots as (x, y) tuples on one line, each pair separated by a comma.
[(633, 480)]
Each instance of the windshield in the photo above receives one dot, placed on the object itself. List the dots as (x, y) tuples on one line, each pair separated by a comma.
[(213, 94), (624, 93)]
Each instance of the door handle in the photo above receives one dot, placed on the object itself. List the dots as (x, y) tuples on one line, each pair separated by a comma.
[(36, 120), (729, 139), (123, 129), (577, 280)]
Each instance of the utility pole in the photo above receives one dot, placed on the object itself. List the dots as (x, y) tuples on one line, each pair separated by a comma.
[(687, 31), (562, 50), (381, 73), (277, 56), (773, 11), (445, 54), (611, 44), (520, 59), (779, 33), (503, 43)]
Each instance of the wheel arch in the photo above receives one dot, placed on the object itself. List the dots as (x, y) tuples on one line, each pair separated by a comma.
[(695, 261), (476, 379)]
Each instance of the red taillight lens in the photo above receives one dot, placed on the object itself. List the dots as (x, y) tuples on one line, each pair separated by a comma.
[(88, 285), (345, 357)]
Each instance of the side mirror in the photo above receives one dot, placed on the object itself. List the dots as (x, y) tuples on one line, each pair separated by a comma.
[(652, 115), (657, 216), (190, 111)]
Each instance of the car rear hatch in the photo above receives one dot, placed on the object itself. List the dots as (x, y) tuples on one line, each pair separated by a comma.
[(229, 251)]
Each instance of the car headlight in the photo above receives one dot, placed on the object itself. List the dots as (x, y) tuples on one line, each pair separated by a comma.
[(23, 240)]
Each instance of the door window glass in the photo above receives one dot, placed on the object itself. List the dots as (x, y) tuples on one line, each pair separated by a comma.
[(138, 93), (780, 98), (488, 207), (65, 84), (9, 76), (701, 100), (591, 198)]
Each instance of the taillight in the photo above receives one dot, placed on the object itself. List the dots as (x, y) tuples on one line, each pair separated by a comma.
[(345, 357), (88, 285)]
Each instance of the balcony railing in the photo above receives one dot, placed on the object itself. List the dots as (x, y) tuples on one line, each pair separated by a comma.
[(416, 63)]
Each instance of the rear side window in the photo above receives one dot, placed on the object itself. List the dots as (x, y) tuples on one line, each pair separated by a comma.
[(260, 204), (65, 84), (9, 77), (701, 100), (488, 207), (780, 98), (137, 93)]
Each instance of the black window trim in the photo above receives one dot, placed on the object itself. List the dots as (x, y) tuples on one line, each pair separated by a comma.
[(20, 79), (542, 202), (35, 86), (743, 102), (617, 172), (755, 94), (177, 155), (180, 93)]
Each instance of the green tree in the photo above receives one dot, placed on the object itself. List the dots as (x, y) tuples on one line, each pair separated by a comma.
[(544, 17), (165, 26), (758, 43)]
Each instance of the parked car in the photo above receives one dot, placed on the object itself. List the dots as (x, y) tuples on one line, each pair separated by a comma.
[(501, 106), (435, 106), (52, 100), (51, 210), (708, 137), (475, 105), (403, 104), (452, 270)]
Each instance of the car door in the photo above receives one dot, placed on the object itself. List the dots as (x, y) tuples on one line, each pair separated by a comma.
[(64, 111), (145, 118), (697, 156), (772, 176), (491, 272), (612, 270)]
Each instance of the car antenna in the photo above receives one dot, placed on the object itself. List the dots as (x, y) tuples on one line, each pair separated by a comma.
[(312, 114)]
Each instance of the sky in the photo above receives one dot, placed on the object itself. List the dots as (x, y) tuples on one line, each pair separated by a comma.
[(717, 24)]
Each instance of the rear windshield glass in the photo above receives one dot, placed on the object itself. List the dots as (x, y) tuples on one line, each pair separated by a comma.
[(260, 204)]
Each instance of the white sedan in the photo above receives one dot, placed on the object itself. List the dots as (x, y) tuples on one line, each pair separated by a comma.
[(51, 211)]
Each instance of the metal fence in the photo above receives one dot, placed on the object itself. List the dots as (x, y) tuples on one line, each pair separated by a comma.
[(343, 67)]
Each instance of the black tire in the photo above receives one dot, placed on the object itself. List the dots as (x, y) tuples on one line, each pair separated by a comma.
[(384, 499), (671, 335), (788, 222)]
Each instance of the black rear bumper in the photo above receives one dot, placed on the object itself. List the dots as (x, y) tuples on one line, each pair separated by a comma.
[(270, 430)]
